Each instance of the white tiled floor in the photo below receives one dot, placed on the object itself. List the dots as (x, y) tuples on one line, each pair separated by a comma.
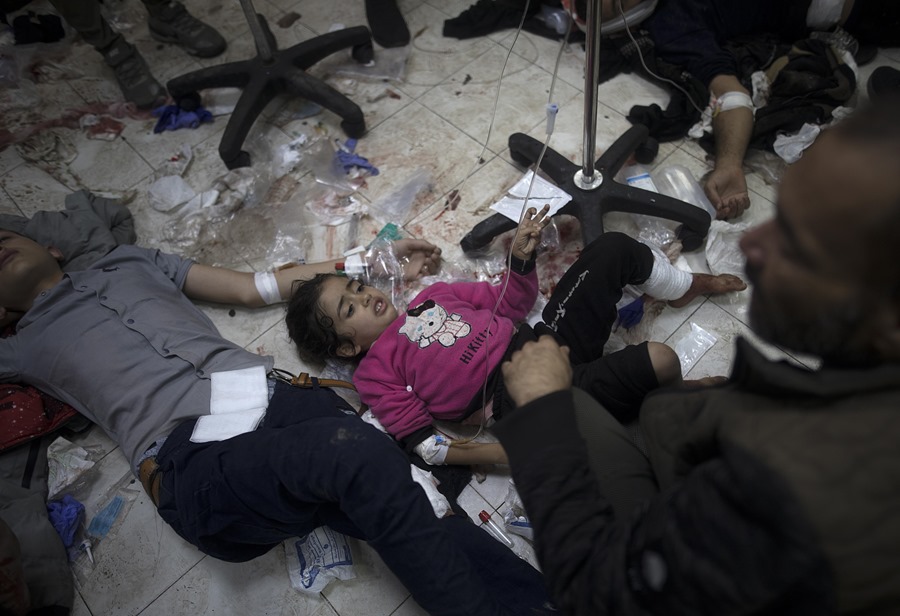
[(436, 120)]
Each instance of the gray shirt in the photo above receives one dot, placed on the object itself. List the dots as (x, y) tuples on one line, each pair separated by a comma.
[(123, 345)]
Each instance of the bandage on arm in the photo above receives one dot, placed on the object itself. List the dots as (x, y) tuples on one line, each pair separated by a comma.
[(433, 449), (267, 287)]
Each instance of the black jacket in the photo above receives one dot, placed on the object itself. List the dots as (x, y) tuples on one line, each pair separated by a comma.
[(735, 529)]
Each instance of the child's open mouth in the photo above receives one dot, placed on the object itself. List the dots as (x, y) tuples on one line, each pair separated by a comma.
[(379, 307)]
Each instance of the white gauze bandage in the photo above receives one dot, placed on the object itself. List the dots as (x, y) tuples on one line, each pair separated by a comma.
[(732, 100), (355, 265), (433, 449), (666, 281), (267, 286)]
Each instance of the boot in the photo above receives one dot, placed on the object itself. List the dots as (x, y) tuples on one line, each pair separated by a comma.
[(135, 79), (171, 23)]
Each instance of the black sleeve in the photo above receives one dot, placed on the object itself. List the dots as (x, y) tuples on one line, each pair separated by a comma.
[(409, 443), (728, 539), (522, 266)]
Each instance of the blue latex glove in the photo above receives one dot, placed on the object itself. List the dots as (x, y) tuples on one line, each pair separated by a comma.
[(631, 315), (173, 117), (348, 160), (65, 514)]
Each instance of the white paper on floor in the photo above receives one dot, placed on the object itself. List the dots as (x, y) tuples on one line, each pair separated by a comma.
[(67, 462), (542, 193)]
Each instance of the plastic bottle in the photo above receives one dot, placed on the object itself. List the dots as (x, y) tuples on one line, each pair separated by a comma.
[(678, 182), (555, 18), (652, 229)]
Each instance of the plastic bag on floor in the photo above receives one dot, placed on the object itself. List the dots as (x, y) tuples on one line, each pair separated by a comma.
[(723, 254), (388, 64), (514, 518), (68, 462), (317, 558), (691, 347), (105, 514), (395, 207), (225, 224), (332, 208), (169, 192)]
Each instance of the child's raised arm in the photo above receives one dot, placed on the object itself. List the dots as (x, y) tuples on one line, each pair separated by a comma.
[(528, 233)]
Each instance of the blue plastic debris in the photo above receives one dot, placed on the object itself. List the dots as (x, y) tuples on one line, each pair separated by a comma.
[(66, 515), (103, 521)]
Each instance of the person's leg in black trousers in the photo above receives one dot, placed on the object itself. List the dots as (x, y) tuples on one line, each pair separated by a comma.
[(582, 311)]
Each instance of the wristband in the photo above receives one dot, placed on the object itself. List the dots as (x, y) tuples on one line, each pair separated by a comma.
[(267, 287)]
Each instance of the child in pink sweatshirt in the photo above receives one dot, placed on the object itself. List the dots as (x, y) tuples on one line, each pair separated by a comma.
[(433, 361)]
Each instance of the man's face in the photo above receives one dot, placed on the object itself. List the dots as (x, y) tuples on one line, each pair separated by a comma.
[(810, 266), (358, 311), (25, 266)]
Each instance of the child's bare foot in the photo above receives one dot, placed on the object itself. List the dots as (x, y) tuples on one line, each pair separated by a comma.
[(706, 284)]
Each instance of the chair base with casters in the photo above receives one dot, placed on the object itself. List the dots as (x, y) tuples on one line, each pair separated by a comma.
[(274, 72), (589, 206), (591, 184)]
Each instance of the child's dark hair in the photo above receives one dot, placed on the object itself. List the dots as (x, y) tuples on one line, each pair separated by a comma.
[(308, 326)]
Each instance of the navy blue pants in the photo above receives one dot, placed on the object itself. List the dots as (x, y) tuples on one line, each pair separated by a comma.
[(691, 33), (310, 464)]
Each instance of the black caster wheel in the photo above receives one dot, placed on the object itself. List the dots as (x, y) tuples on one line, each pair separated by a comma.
[(363, 53), (241, 160), (647, 151), (354, 130), (189, 101)]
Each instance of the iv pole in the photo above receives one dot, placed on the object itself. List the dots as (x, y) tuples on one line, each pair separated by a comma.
[(589, 178), (592, 194)]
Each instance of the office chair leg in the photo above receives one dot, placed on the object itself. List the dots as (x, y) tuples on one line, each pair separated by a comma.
[(301, 84)]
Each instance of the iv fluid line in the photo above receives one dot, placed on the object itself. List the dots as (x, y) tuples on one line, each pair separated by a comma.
[(551, 110)]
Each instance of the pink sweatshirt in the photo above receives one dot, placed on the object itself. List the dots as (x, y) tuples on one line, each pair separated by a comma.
[(431, 366)]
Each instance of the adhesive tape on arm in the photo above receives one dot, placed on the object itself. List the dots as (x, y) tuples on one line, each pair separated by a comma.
[(432, 451), (267, 287), (355, 265)]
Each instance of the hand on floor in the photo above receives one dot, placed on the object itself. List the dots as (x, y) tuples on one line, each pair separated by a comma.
[(727, 191)]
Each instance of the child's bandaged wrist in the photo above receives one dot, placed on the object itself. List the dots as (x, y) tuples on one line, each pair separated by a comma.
[(267, 287), (433, 449), (732, 100)]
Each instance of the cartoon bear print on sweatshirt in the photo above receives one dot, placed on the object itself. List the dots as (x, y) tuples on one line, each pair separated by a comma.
[(429, 322)]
